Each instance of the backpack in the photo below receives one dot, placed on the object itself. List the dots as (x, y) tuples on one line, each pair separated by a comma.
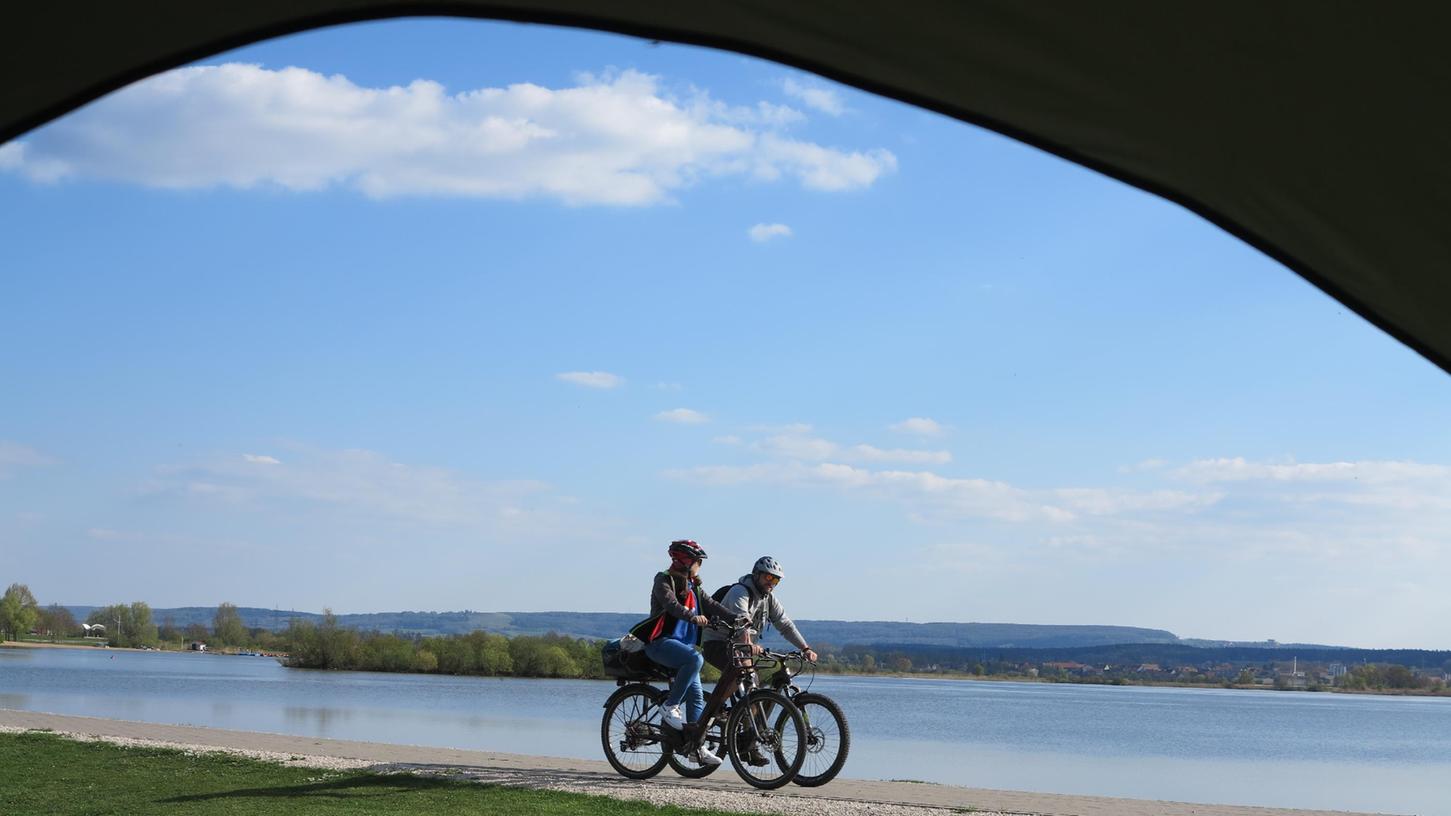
[(719, 595)]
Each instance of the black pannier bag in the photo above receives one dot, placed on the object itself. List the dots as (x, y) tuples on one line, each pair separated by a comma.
[(623, 664)]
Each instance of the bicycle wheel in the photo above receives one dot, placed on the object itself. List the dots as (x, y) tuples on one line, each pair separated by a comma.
[(689, 768), (630, 731), (769, 722), (828, 739)]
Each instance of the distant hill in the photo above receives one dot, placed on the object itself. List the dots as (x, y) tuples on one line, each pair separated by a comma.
[(613, 624), (980, 635), (1170, 655)]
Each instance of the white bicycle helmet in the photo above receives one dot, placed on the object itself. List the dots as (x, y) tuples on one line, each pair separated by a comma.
[(768, 565)]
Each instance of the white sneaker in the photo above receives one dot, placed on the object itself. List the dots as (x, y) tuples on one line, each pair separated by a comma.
[(703, 756), (672, 718)]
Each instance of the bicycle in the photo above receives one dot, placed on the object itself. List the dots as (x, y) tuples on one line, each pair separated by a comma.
[(828, 736), (638, 746)]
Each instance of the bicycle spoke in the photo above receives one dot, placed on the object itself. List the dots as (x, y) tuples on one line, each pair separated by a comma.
[(631, 740), (828, 740), (766, 741)]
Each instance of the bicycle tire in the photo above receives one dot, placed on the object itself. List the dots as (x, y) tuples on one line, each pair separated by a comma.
[(632, 716), (819, 768), (786, 740)]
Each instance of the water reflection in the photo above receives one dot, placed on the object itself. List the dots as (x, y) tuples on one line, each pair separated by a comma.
[(320, 722), (14, 701)]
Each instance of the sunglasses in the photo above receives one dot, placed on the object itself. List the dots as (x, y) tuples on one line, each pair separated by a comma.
[(768, 578)]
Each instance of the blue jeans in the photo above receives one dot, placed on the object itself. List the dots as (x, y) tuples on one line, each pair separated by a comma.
[(686, 661)]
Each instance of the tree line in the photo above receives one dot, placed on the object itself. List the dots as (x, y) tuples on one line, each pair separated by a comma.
[(128, 625), (327, 645)]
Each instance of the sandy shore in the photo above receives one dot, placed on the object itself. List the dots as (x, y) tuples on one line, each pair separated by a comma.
[(17, 644), (722, 790)]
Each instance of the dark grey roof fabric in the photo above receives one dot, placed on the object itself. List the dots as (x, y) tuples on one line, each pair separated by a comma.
[(1317, 131)]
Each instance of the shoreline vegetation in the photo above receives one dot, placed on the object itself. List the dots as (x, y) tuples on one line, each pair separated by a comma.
[(327, 645), (709, 677)]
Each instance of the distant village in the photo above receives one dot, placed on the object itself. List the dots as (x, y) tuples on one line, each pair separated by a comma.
[(1284, 673)]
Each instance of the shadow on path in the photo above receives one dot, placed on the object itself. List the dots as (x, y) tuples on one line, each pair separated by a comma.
[(350, 787), (559, 779)]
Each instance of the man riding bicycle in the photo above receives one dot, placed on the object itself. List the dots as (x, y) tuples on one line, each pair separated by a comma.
[(753, 596)]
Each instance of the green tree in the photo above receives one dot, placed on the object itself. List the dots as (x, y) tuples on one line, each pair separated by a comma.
[(127, 625), (143, 630), (494, 657), (337, 646), (57, 622), (227, 626), (18, 612), (1400, 677)]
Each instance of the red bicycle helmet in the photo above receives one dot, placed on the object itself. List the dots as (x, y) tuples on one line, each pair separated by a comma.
[(686, 549)]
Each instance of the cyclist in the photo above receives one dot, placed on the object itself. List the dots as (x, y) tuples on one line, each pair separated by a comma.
[(754, 596), (673, 630)]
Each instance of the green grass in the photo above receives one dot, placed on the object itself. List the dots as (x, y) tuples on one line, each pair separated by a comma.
[(45, 774)]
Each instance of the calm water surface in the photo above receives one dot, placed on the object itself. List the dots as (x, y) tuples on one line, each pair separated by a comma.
[(1329, 751)]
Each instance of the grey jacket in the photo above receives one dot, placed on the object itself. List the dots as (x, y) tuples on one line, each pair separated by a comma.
[(761, 607)]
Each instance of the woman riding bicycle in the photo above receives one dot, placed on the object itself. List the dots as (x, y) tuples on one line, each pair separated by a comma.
[(673, 630)]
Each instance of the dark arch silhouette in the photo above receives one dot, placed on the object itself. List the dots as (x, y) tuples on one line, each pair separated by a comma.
[(1318, 132)]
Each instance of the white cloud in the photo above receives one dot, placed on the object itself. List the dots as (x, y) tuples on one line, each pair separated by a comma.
[(1321, 515), (260, 460), (1399, 486), (797, 446), (1108, 502), (617, 139), (358, 483), (821, 168), (797, 443), (789, 428), (922, 426), (682, 416), (815, 96), (868, 453), (728, 439), (1145, 465), (14, 457), (1380, 472), (929, 492), (591, 379), (761, 233)]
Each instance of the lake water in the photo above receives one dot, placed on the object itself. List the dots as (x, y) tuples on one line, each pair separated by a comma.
[(1329, 751)]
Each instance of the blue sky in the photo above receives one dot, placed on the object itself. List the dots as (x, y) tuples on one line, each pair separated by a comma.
[(443, 315)]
